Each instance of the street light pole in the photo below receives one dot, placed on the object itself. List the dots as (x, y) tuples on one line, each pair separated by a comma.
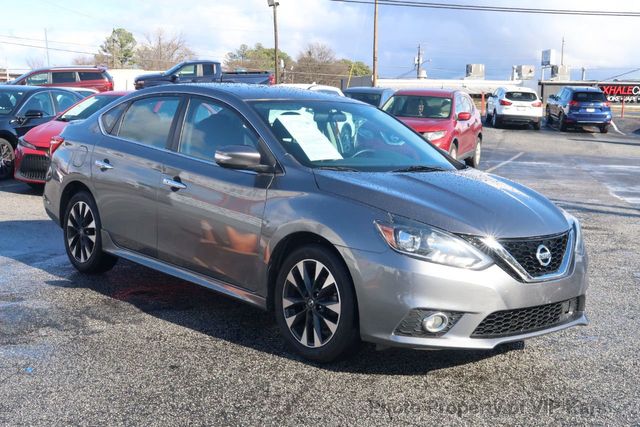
[(375, 44), (275, 4)]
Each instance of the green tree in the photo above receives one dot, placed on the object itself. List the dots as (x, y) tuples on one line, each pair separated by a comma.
[(256, 58), (118, 49)]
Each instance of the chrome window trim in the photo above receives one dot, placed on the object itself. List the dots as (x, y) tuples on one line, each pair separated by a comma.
[(505, 256)]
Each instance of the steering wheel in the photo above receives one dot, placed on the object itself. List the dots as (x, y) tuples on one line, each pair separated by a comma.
[(363, 151)]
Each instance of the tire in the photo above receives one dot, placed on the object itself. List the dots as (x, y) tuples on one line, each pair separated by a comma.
[(495, 120), (604, 129), (474, 161), (84, 248), (561, 123), (536, 125), (453, 150), (321, 324), (549, 118), (7, 157), (487, 119)]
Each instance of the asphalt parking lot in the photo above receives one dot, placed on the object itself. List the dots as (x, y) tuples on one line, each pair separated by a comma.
[(136, 347)]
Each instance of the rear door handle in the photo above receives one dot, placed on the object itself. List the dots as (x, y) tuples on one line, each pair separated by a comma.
[(175, 185), (103, 165)]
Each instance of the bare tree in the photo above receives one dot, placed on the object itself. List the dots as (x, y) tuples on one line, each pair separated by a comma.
[(162, 51), (34, 62), (317, 63), (83, 60)]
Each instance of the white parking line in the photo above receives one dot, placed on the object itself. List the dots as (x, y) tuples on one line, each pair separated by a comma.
[(616, 128), (505, 162)]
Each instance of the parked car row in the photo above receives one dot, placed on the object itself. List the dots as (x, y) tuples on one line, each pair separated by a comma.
[(382, 237)]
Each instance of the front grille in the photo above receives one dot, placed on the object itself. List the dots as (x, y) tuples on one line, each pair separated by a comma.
[(530, 319), (524, 251), (411, 325), (34, 167)]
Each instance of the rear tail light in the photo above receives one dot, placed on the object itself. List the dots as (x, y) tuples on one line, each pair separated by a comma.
[(537, 104), (55, 143), (272, 79), (573, 103), (505, 102), (607, 104)]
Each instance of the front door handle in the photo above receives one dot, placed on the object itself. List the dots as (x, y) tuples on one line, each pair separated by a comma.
[(103, 165), (175, 185)]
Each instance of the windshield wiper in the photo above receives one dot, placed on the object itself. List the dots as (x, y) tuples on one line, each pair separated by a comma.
[(338, 168), (421, 168), (63, 119)]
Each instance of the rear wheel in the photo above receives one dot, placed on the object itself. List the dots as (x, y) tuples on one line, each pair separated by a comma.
[(604, 128), (495, 121), (82, 239), (536, 125), (475, 160), (6, 159), (487, 119), (315, 305)]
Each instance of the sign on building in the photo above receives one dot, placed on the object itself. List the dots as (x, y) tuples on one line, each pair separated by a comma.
[(549, 58), (618, 92)]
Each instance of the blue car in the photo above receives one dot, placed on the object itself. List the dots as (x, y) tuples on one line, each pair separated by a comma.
[(579, 106)]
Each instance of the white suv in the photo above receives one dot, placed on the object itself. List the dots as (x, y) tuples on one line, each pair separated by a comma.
[(515, 105)]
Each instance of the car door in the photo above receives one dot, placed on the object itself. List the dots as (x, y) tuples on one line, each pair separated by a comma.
[(64, 78), (127, 169), (188, 73), (38, 102), (210, 217), (208, 72), (463, 127)]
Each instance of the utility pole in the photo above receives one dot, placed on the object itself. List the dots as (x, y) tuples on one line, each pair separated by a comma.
[(276, 63), (562, 52), (375, 43), (419, 62), (46, 46)]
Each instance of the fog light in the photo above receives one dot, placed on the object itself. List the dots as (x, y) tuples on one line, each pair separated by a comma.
[(435, 323)]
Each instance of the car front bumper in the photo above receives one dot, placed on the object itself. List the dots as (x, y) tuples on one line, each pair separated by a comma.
[(31, 165), (389, 286)]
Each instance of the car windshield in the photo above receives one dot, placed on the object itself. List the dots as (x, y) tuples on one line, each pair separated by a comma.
[(174, 69), (521, 96), (588, 96), (429, 107), (369, 98), (348, 136), (87, 107), (9, 98)]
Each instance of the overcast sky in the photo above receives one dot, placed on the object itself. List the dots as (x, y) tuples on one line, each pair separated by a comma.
[(450, 39)]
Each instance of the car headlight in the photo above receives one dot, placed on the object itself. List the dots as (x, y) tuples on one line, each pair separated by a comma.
[(26, 144), (433, 245), (432, 136), (577, 230)]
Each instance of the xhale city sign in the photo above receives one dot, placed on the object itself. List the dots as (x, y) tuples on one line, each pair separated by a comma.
[(618, 92)]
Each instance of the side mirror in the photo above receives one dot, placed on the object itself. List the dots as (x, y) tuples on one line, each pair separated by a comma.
[(174, 78), (34, 114), (240, 157), (464, 116)]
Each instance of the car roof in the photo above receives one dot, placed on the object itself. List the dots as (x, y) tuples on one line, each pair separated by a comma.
[(23, 88), (427, 92), (584, 88), (69, 68), (517, 89), (246, 92), (365, 89)]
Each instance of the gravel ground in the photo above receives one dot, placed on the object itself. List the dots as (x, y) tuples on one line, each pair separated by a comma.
[(135, 347)]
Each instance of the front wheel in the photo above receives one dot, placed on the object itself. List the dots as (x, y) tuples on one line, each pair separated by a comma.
[(477, 153), (453, 151), (7, 156), (495, 121), (82, 239), (315, 304)]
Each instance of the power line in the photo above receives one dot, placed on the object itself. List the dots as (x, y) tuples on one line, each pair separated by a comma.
[(50, 48), (42, 40), (623, 74), (431, 5)]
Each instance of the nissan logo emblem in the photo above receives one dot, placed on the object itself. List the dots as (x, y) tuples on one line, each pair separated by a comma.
[(544, 255)]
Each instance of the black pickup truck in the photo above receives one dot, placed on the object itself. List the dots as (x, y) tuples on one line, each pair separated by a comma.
[(202, 72)]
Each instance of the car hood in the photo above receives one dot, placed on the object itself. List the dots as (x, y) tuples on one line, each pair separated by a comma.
[(425, 125), (464, 202), (40, 136), (152, 76)]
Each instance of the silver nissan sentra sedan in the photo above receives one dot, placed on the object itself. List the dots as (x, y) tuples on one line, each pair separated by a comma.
[(329, 212)]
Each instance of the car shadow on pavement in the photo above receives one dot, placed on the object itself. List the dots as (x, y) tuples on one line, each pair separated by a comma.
[(605, 141), (209, 313), (598, 208)]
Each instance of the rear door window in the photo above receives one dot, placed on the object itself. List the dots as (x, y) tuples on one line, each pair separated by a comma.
[(64, 100), (111, 117), (208, 69), (63, 77), (521, 96), (38, 79), (89, 75), (588, 96), (148, 121)]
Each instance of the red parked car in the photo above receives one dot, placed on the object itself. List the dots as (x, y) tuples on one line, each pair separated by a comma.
[(96, 78), (35, 148), (448, 119)]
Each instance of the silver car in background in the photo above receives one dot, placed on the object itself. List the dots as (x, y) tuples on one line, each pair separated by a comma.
[(370, 235)]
